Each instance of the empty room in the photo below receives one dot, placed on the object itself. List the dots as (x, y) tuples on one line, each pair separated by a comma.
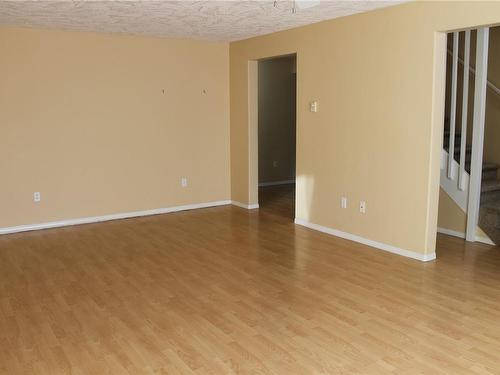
[(249, 187)]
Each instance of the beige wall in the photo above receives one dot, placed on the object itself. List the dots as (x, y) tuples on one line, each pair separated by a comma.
[(379, 80), (450, 215), (276, 113), (84, 120)]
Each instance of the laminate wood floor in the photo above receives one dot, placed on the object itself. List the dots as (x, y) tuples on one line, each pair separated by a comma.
[(224, 291)]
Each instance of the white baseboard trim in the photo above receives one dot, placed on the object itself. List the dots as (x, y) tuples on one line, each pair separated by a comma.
[(485, 240), (365, 241), (273, 183), (455, 233), (97, 219), (450, 232), (245, 206)]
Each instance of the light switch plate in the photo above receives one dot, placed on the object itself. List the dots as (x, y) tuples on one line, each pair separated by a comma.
[(313, 106)]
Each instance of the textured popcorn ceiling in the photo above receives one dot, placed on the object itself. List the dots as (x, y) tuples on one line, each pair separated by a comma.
[(208, 20)]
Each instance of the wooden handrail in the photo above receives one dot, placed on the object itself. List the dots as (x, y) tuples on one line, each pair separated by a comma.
[(490, 84)]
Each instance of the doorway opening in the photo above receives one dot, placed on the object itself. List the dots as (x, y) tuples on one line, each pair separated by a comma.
[(469, 205), (277, 91)]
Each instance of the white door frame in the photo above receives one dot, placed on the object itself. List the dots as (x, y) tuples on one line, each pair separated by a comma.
[(478, 132), (253, 127)]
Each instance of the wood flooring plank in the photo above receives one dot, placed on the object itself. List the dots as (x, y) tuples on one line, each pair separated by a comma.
[(230, 291)]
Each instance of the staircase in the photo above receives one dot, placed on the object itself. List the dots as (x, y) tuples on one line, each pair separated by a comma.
[(489, 211), (467, 87)]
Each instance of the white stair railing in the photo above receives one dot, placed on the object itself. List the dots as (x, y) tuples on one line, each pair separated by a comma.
[(459, 196), (465, 102), (453, 106), (472, 71)]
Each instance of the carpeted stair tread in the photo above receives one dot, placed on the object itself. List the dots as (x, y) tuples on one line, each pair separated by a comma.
[(491, 206), (490, 171), (489, 222), (490, 166), (490, 186), (493, 232)]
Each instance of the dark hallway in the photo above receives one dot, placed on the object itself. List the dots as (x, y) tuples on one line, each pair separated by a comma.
[(278, 200)]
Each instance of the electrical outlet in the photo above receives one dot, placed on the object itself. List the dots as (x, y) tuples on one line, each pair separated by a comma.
[(362, 207), (275, 163), (343, 202), (37, 197), (184, 182)]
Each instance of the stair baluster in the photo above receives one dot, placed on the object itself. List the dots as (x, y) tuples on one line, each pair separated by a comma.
[(453, 110), (465, 102)]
